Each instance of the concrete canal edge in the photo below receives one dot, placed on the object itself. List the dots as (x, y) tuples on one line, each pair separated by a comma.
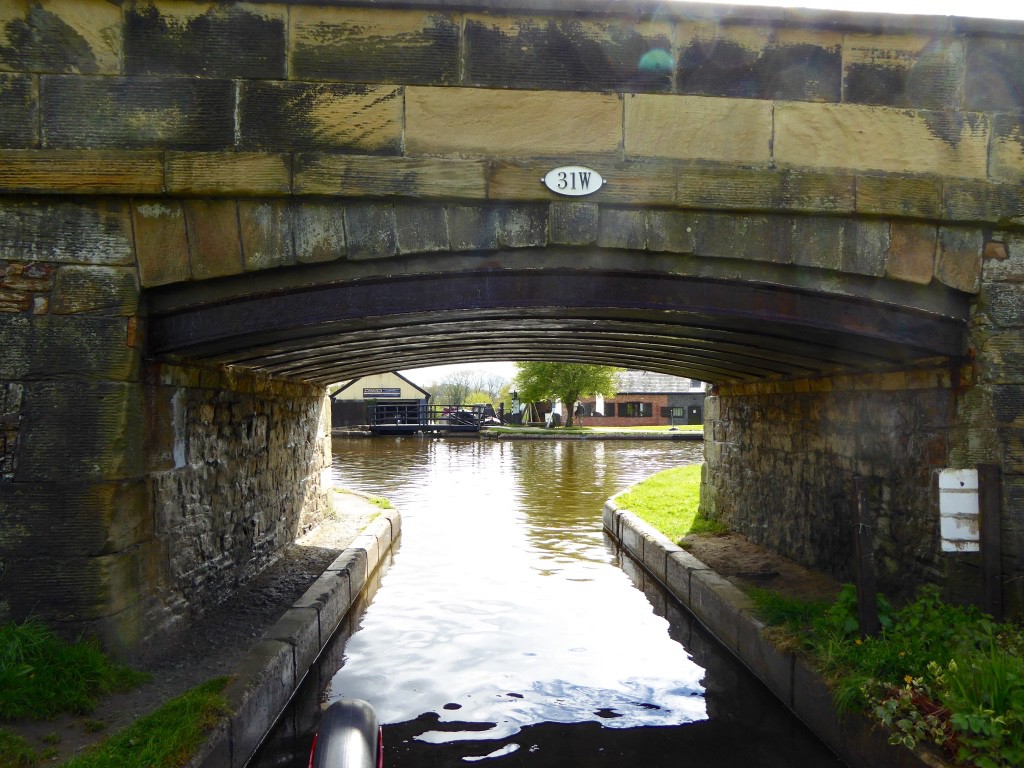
[(728, 613), (263, 683)]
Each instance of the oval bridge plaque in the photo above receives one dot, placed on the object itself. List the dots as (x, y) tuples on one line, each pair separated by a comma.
[(573, 180)]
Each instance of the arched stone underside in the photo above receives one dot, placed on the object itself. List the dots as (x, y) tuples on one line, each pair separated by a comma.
[(716, 330)]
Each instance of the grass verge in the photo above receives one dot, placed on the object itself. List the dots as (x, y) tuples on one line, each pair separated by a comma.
[(41, 675), (669, 501), (166, 738)]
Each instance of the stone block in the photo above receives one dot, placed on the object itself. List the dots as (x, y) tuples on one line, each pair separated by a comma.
[(137, 113), (473, 228), (105, 419), (257, 695), (523, 226), (817, 242), (749, 62), (266, 231), (698, 128), (72, 586), (19, 110), (657, 550), (331, 596), (574, 223), (499, 123), (374, 45), (867, 138), (241, 40), (760, 656), (280, 116), (125, 577), (995, 70), (865, 247), (358, 176), (764, 189), (923, 71), (92, 172), (623, 229), (67, 232), (161, 242), (371, 545), (678, 567), (370, 231), (299, 628), (319, 230), (420, 229), (102, 290), (958, 259), (214, 243), (631, 539), (812, 703), (979, 201), (881, 195), (59, 519), (228, 173), (575, 54), (911, 252), (353, 562), (1007, 163), (56, 347), (671, 231), (717, 604), (72, 36), (750, 237)]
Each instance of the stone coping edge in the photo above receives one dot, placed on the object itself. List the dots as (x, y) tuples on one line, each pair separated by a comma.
[(265, 680), (728, 613)]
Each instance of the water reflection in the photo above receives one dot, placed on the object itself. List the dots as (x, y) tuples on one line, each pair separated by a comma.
[(507, 631), (504, 608)]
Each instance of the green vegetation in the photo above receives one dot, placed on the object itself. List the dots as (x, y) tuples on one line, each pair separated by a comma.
[(379, 501), (41, 675), (937, 674), (15, 752), (166, 738), (669, 501), (563, 381)]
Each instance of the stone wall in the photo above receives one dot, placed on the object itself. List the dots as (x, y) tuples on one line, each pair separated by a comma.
[(781, 457), (239, 462), (991, 414)]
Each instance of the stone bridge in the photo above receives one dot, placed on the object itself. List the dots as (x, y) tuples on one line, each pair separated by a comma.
[(209, 211)]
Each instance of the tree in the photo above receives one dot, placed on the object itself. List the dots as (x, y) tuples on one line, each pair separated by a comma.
[(563, 381), (453, 389)]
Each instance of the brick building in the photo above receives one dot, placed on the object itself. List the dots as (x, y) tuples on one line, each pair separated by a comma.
[(648, 399)]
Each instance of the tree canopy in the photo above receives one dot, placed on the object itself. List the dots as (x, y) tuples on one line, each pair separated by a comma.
[(563, 381)]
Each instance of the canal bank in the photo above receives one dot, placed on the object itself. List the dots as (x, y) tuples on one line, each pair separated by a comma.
[(263, 682), (728, 613)]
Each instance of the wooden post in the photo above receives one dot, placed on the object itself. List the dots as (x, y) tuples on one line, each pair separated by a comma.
[(867, 588), (989, 509)]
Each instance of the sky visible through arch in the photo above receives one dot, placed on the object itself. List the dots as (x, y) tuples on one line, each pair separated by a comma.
[(987, 9)]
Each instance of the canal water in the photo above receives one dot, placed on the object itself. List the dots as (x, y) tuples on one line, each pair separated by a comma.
[(508, 630)]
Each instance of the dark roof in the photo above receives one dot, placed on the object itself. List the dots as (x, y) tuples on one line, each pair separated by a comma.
[(647, 383)]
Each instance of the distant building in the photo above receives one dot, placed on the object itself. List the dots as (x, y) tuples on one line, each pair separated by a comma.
[(350, 401), (648, 399)]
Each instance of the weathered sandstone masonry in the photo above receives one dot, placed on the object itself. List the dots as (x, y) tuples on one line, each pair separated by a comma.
[(828, 176)]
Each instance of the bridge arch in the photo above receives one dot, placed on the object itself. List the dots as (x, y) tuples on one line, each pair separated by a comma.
[(207, 212)]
